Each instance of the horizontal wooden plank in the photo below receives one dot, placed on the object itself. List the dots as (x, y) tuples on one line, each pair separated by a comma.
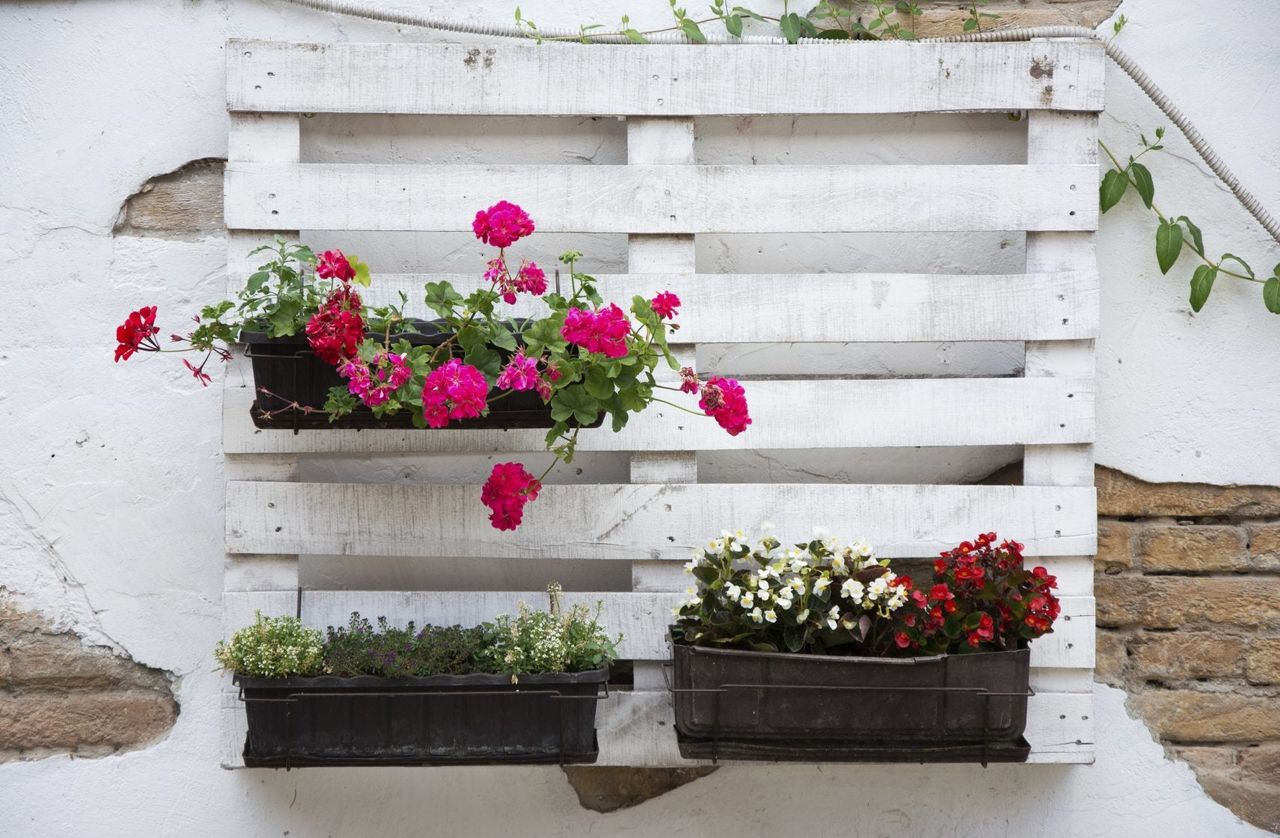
[(662, 80), (635, 521), (664, 198), (641, 618), (855, 308), (871, 413), (638, 729)]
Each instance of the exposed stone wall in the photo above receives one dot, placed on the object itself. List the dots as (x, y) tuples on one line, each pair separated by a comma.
[(1188, 589), (59, 695)]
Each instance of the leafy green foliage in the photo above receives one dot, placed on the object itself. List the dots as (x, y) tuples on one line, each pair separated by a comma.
[(533, 642), (360, 649), (1170, 237), (273, 647)]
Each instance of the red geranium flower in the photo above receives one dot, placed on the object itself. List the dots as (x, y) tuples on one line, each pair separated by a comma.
[(333, 265), (507, 490), (136, 333)]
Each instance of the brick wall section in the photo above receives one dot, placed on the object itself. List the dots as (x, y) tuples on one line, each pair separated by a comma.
[(1188, 589), (60, 695)]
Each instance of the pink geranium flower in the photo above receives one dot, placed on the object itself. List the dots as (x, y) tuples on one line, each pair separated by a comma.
[(502, 224), (335, 331), (531, 279), (520, 374), (375, 383), (604, 331), (724, 400), (507, 490), (454, 391), (665, 305)]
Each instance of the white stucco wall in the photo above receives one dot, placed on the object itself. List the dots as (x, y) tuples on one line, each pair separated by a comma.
[(111, 480)]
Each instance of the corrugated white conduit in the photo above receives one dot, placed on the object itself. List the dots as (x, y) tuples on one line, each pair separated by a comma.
[(1122, 59)]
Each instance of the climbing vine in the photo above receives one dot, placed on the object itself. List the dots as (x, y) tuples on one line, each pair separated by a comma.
[(1176, 234)]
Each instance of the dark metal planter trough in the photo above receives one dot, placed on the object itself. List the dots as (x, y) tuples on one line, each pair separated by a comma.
[(732, 704), (291, 373), (436, 720)]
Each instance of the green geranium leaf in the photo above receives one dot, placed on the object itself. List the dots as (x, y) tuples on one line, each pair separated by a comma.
[(573, 402), (442, 298)]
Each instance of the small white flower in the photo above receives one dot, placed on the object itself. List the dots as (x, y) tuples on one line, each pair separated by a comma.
[(852, 589), (784, 603), (747, 600), (733, 591), (762, 583), (757, 616), (821, 584), (862, 548), (690, 565), (739, 534), (763, 594), (878, 588), (838, 565), (771, 616), (797, 565), (797, 585), (802, 616), (726, 535), (690, 591)]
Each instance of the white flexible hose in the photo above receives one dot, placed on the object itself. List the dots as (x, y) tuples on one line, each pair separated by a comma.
[(1122, 60)]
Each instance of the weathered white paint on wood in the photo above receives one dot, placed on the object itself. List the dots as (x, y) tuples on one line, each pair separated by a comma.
[(672, 199), (661, 198), (662, 80), (786, 415), (641, 618), (637, 522), (881, 308)]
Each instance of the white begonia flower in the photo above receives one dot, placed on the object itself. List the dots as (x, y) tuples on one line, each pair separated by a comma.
[(852, 589), (797, 585), (831, 616), (862, 548), (739, 534), (726, 535), (771, 616), (792, 553), (690, 565), (802, 616), (821, 584), (797, 565), (747, 600), (784, 603), (878, 588), (838, 565), (762, 583), (757, 616), (732, 590), (763, 594)]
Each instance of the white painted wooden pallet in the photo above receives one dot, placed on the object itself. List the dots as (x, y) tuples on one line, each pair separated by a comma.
[(661, 199)]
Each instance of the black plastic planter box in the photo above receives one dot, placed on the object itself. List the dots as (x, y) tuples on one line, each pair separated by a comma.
[(287, 368), (436, 720), (762, 705)]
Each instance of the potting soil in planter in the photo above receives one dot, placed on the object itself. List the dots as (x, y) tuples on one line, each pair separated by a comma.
[(436, 720)]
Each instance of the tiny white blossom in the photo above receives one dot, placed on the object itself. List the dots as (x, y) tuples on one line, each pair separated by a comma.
[(784, 603), (762, 583), (757, 616), (797, 585), (747, 600), (771, 616), (878, 588), (797, 565), (852, 589), (802, 616), (821, 584), (690, 565), (733, 591), (763, 594), (838, 565)]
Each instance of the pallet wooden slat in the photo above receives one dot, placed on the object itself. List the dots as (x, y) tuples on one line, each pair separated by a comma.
[(866, 414), (857, 308), (657, 199), (630, 522), (662, 80)]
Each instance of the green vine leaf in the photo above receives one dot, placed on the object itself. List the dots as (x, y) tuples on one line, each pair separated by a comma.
[(733, 23), (1196, 237), (1168, 245), (1143, 183), (692, 31), (791, 27), (1271, 294), (1234, 258), (1201, 285), (1114, 183)]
